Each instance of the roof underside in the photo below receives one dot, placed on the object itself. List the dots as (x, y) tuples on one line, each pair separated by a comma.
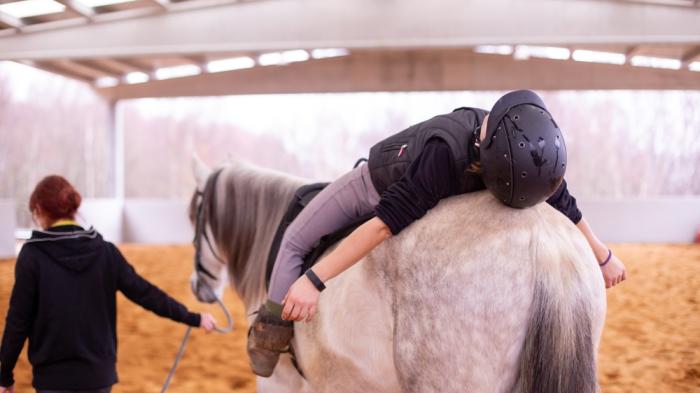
[(160, 48)]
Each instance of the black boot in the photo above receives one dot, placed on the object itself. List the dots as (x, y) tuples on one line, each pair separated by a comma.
[(267, 338)]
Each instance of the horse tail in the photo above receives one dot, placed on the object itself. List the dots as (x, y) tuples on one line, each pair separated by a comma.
[(559, 351)]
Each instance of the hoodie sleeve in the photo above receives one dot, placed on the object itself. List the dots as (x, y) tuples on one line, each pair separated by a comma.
[(148, 296), (19, 317), (565, 203)]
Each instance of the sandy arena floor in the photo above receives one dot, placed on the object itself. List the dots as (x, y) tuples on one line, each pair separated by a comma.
[(651, 341)]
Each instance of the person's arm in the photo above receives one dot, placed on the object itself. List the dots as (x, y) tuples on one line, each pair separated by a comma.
[(148, 296), (353, 248), (565, 203), (20, 317), (300, 302), (612, 268), (427, 180)]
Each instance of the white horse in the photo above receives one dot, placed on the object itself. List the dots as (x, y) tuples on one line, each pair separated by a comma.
[(474, 297)]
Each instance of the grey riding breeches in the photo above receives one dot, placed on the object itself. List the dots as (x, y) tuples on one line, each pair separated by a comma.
[(350, 197)]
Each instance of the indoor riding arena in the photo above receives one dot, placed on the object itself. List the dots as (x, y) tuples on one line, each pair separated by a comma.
[(188, 126)]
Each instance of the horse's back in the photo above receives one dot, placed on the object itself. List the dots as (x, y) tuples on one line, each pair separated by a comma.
[(445, 306), (454, 326), (464, 288)]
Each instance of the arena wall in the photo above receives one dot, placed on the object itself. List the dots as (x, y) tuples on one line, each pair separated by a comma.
[(157, 221), (654, 220), (7, 228)]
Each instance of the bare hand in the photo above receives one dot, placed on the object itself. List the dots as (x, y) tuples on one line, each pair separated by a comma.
[(9, 389), (614, 272), (300, 302), (208, 323)]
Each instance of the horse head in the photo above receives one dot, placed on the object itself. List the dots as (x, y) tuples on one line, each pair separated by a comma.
[(209, 276), (235, 211)]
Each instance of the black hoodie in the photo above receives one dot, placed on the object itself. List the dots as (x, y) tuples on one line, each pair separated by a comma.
[(64, 301)]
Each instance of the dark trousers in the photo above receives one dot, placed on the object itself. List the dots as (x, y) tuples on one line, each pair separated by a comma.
[(103, 390)]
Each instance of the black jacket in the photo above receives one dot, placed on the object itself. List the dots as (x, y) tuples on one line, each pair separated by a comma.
[(64, 301), (430, 178), (390, 158)]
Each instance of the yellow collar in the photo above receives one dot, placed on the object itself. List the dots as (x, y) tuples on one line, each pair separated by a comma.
[(63, 223)]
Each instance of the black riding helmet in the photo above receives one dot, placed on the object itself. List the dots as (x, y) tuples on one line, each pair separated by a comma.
[(523, 155)]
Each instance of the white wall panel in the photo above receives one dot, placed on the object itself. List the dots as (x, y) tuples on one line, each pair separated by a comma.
[(662, 220), (668, 220), (106, 215), (156, 221), (7, 228)]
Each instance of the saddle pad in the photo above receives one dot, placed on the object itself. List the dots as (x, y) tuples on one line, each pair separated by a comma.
[(300, 200)]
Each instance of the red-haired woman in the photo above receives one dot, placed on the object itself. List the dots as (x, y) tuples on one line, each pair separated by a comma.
[(64, 299)]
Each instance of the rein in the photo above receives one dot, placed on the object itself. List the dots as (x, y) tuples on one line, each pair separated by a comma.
[(200, 233), (186, 338)]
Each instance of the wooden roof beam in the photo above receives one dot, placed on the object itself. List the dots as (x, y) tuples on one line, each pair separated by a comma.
[(424, 70), (162, 4), (101, 68), (691, 55), (137, 65), (87, 69), (196, 59), (10, 21), (6, 25), (52, 67), (631, 52), (80, 9)]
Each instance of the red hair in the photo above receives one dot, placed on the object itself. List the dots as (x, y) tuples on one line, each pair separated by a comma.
[(56, 197)]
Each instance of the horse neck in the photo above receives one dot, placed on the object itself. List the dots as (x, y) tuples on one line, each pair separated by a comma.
[(254, 203)]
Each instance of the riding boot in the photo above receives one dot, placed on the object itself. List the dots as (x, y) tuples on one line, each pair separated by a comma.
[(269, 335)]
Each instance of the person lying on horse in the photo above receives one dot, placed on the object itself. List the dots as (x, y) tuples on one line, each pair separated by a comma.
[(516, 151)]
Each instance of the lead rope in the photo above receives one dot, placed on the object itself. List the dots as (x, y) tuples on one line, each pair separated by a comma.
[(185, 339)]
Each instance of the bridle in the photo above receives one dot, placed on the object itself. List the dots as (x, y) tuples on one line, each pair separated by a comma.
[(200, 234), (200, 230)]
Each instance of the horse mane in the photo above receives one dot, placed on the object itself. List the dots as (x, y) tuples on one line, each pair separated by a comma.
[(243, 214)]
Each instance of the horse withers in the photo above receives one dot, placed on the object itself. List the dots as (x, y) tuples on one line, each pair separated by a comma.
[(474, 297)]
